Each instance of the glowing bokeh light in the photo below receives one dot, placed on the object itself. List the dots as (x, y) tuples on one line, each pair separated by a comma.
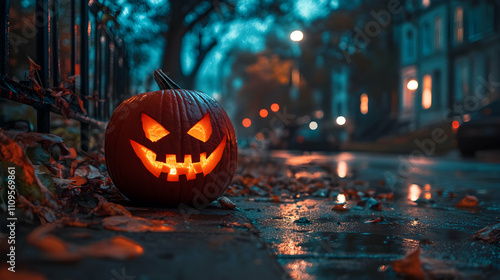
[(412, 85), (341, 198), (313, 125), (342, 169), (340, 120), (275, 107), (363, 106), (414, 192), (246, 122), (296, 36), (259, 136), (263, 113)]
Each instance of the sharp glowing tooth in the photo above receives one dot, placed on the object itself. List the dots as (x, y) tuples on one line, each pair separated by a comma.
[(172, 177), (191, 175), (203, 157), (165, 168), (197, 167), (187, 160), (170, 160)]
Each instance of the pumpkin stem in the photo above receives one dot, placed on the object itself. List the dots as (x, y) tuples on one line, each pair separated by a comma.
[(163, 81)]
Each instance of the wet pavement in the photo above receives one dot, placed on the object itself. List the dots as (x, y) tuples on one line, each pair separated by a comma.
[(313, 242), (303, 238)]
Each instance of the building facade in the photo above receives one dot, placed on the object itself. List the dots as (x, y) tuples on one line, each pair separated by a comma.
[(452, 49)]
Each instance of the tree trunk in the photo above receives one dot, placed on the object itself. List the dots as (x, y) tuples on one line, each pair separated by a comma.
[(171, 57)]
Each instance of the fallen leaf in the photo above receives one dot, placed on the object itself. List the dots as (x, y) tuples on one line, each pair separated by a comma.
[(111, 209), (55, 249), (88, 171), (490, 234), (117, 247), (33, 67), (63, 105), (226, 203), (78, 180), (377, 220), (19, 274), (29, 185), (340, 207), (81, 105), (43, 213), (410, 266), (134, 224), (468, 201)]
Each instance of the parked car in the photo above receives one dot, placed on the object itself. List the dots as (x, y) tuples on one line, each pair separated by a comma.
[(480, 130)]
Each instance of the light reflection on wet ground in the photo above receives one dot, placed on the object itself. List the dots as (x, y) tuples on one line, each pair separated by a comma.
[(341, 245)]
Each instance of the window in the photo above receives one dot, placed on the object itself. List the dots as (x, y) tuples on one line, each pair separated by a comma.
[(427, 92), (409, 44), (437, 33), (363, 106), (459, 25), (436, 90), (481, 21), (426, 3), (426, 38)]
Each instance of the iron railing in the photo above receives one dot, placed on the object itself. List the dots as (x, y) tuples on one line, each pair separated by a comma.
[(110, 75)]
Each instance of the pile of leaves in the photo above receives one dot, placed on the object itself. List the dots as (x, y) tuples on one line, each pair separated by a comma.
[(271, 179), (52, 180)]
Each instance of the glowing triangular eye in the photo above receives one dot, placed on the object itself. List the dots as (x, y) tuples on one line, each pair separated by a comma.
[(153, 130), (202, 129)]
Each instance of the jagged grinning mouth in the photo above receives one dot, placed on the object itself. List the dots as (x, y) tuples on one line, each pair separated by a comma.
[(174, 168)]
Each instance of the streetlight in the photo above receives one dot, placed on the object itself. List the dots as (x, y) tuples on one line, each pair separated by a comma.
[(296, 36), (313, 125), (340, 120), (412, 85)]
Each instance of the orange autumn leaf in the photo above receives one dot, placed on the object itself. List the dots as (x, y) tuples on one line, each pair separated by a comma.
[(410, 266), (490, 234), (117, 247), (56, 249), (468, 201), (32, 188), (340, 207), (377, 220), (33, 67), (134, 224)]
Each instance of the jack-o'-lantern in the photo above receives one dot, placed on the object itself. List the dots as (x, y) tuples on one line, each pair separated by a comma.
[(171, 146)]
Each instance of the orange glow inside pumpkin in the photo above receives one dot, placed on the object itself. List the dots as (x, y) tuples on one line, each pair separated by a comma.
[(153, 130), (174, 168), (202, 129)]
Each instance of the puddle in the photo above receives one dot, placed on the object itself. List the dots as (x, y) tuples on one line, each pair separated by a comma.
[(347, 244)]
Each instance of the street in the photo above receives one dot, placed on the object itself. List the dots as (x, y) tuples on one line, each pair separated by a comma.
[(342, 244), (300, 236)]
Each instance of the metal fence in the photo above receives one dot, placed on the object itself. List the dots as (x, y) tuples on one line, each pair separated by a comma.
[(109, 64)]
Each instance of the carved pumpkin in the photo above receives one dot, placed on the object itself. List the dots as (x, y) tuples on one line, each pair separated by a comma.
[(171, 146)]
